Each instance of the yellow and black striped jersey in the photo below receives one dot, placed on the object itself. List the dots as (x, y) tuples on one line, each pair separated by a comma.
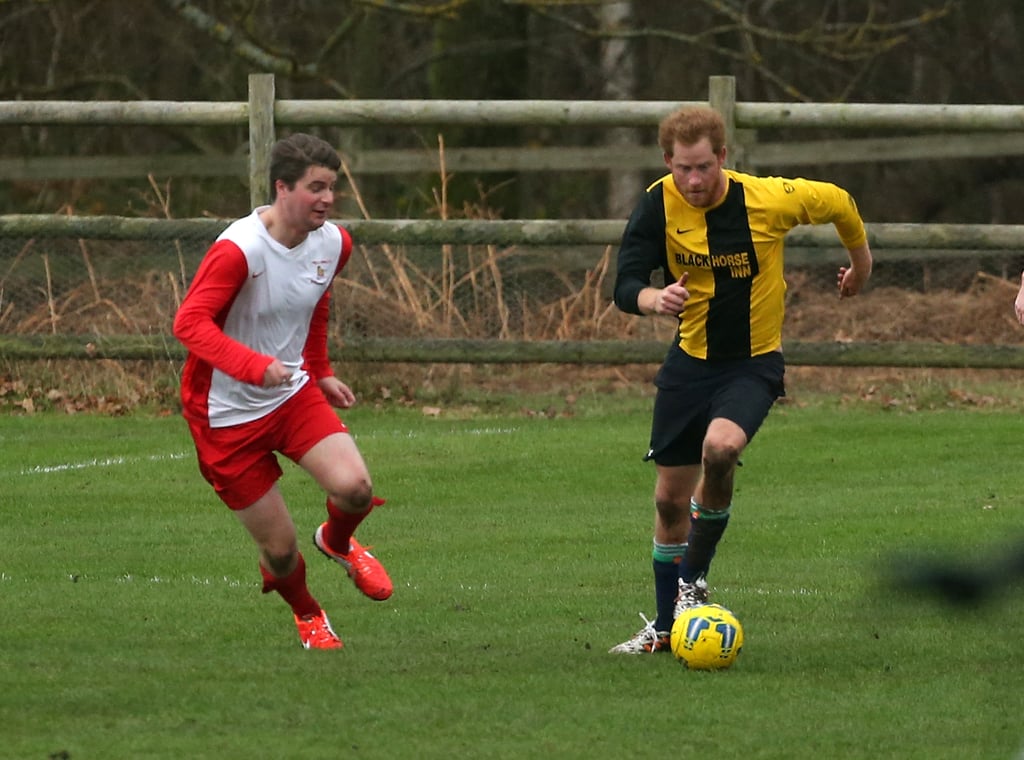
[(733, 254)]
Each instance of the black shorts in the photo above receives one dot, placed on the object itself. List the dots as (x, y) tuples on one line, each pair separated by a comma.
[(692, 392)]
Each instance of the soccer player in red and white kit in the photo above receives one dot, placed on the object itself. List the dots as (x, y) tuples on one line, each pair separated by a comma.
[(257, 380)]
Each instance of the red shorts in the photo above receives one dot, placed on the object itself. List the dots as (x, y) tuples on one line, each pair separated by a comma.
[(239, 461)]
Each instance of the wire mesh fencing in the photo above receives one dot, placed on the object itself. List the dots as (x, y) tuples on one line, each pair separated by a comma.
[(514, 296)]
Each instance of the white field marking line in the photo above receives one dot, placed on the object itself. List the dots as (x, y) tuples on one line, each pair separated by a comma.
[(436, 433), (115, 461), (767, 591), (99, 462), (236, 583), (194, 580)]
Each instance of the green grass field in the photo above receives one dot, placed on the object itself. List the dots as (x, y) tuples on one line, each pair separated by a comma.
[(133, 626)]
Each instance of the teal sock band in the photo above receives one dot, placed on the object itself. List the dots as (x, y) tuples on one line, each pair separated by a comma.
[(697, 512), (668, 552)]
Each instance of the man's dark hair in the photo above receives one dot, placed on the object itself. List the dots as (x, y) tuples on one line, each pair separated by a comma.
[(292, 156)]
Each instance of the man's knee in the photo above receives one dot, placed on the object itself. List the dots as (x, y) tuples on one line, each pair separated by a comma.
[(720, 455), (672, 511), (722, 448), (353, 496), (280, 560)]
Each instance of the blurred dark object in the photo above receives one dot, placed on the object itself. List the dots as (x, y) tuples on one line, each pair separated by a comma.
[(961, 583)]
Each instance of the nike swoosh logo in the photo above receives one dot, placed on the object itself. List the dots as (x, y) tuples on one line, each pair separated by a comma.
[(257, 274), (683, 232)]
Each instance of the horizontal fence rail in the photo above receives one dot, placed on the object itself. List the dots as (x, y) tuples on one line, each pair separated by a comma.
[(910, 239), (534, 159), (596, 113), (530, 232), (468, 351)]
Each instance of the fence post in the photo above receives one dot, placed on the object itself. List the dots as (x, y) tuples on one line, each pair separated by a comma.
[(261, 136), (722, 97)]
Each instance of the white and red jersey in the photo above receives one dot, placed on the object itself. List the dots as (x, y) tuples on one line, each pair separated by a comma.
[(252, 301)]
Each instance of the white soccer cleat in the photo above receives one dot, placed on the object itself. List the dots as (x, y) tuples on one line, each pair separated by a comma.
[(646, 641), (690, 595)]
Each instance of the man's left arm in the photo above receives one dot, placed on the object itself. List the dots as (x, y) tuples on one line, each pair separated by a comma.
[(825, 202), (315, 353), (853, 278), (317, 363)]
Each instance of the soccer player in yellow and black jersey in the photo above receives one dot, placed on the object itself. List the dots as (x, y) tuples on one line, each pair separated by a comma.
[(717, 236)]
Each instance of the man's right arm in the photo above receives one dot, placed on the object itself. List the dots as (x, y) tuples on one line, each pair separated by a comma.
[(199, 321), (641, 252)]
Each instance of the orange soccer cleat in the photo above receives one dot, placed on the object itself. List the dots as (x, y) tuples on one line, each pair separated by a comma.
[(315, 632), (363, 568)]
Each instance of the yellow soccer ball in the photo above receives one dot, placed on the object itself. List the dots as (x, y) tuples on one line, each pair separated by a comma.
[(707, 637)]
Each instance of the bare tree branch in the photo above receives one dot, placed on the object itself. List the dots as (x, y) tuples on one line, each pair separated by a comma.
[(840, 42), (245, 49), (447, 8), (248, 50), (340, 33)]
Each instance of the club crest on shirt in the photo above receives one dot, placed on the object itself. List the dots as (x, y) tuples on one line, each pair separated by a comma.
[(320, 273)]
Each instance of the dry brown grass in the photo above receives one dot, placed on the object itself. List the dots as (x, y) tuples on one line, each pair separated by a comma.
[(981, 316), (491, 292)]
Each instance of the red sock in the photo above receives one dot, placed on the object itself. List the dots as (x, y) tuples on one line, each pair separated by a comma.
[(292, 589), (341, 525)]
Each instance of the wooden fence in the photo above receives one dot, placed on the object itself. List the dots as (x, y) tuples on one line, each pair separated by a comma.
[(263, 113), (949, 131)]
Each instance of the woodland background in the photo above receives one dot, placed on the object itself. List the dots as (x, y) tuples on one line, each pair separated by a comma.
[(898, 51)]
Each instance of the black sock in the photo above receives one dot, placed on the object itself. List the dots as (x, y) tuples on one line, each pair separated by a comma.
[(666, 588), (706, 529)]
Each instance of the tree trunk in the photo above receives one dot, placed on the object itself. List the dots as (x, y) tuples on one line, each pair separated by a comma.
[(618, 68)]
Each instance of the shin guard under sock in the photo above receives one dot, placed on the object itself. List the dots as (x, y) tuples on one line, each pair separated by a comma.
[(342, 525), (292, 589), (666, 561), (706, 529)]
